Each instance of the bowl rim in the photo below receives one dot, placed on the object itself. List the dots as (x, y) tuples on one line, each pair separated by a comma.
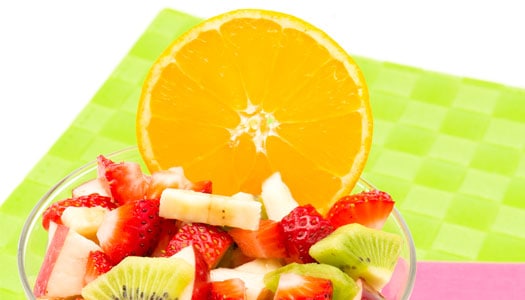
[(36, 211)]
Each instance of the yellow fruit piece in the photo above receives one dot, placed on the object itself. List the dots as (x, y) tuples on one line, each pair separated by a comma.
[(252, 92)]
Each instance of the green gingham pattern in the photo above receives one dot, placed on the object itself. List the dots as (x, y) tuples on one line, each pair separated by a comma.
[(450, 150)]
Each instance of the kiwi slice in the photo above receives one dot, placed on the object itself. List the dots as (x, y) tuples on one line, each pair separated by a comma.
[(360, 252), (142, 278), (344, 287)]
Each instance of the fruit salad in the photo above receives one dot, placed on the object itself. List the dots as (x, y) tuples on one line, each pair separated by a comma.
[(271, 120), (127, 234)]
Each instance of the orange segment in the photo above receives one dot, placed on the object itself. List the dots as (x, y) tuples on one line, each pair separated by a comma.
[(251, 92)]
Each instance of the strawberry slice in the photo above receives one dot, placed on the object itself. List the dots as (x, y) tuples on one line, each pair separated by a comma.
[(302, 228), (125, 180), (294, 286), (98, 263), (211, 241), (234, 258), (131, 229), (229, 289), (265, 242), (54, 211), (168, 228), (368, 208)]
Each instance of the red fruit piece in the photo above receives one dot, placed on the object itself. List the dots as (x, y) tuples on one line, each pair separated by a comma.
[(201, 287), (368, 208), (168, 228), (234, 258), (204, 186), (211, 241), (62, 271), (302, 228), (229, 289), (98, 263), (125, 180), (54, 212), (265, 242), (301, 287), (131, 229)]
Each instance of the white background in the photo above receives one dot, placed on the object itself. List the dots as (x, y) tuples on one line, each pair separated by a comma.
[(54, 55)]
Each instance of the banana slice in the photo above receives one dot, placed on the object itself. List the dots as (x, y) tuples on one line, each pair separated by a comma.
[(219, 210), (184, 205)]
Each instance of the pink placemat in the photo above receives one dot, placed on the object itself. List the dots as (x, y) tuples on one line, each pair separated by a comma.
[(454, 280)]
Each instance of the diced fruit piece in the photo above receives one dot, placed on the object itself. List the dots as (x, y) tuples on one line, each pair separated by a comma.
[(185, 205), (62, 272), (125, 180), (84, 220), (245, 197), (54, 211), (369, 293), (168, 228), (163, 179), (229, 289), (361, 252), (199, 287), (302, 228), (203, 186), (174, 178), (51, 232), (131, 229), (234, 258), (369, 208), (97, 264), (233, 212), (359, 295), (265, 242), (344, 287), (191, 206), (141, 278), (93, 186), (211, 241), (292, 286), (277, 198), (398, 281), (260, 266), (252, 281), (253, 273)]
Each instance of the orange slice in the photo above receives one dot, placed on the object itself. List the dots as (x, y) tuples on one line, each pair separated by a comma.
[(252, 92)]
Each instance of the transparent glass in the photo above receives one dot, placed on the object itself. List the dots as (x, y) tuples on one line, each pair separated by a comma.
[(33, 239)]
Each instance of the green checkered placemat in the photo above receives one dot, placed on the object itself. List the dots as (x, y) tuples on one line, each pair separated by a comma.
[(450, 150)]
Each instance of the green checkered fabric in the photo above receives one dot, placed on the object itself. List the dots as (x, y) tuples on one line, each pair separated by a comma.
[(450, 150)]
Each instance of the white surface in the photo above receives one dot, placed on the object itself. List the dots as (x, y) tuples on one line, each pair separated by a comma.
[(54, 55)]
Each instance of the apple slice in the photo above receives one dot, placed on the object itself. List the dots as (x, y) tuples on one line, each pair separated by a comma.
[(198, 288), (62, 272), (93, 186), (277, 198)]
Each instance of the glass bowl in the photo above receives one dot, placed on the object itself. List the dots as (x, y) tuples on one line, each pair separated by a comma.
[(33, 238)]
